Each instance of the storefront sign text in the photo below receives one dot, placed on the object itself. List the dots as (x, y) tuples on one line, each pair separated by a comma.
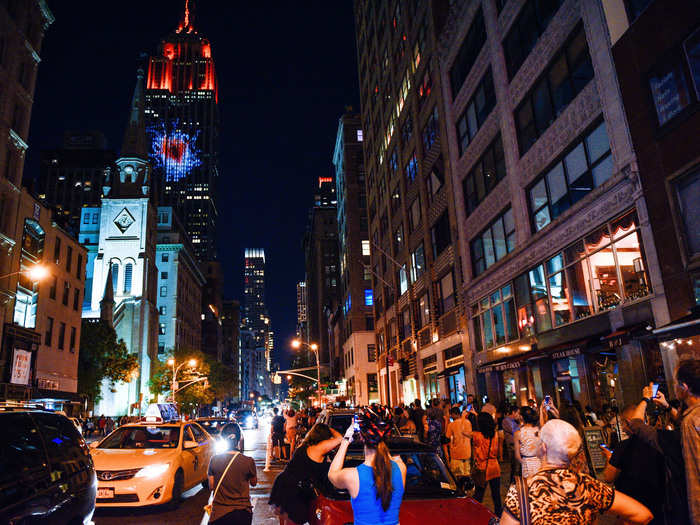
[(566, 353), (21, 366), (499, 367)]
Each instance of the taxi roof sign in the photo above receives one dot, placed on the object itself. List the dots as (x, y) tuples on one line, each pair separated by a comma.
[(160, 412)]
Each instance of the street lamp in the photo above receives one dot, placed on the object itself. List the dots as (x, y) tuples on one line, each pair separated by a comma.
[(36, 273), (297, 343), (192, 363)]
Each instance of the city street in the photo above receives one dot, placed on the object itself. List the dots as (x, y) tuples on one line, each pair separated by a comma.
[(190, 510)]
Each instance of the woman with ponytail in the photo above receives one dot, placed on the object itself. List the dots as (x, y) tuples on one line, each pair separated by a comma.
[(376, 486)]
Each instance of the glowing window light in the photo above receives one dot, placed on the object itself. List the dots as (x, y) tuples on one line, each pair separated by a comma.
[(174, 151)]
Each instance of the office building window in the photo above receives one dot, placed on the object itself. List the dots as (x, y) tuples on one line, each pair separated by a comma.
[(79, 268), (395, 202), (86, 218), (359, 135), (163, 291), (164, 257), (407, 130), (440, 234), (398, 239), (369, 297), (423, 317), (430, 131), (163, 275), (57, 250), (61, 335), (414, 215), (369, 323), (371, 353), (688, 195), (494, 243), (564, 78), (128, 271), (532, 21), (670, 89), (403, 280), (69, 258), (161, 328), (635, 7), (48, 335), (487, 172), (54, 286), (468, 52), (161, 349), (411, 168), (365, 248), (583, 168), (494, 319), (66, 292), (76, 298), (417, 262), (71, 346), (476, 112), (446, 287), (95, 218), (372, 384), (161, 310), (435, 179)]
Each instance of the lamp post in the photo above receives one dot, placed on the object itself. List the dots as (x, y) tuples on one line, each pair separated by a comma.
[(35, 273), (297, 343), (192, 363)]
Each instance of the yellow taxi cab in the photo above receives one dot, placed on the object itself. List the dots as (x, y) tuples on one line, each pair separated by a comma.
[(151, 462)]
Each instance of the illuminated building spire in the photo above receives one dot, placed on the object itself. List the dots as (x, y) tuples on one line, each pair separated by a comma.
[(187, 19), (134, 144)]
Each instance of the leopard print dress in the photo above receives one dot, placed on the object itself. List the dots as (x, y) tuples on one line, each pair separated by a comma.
[(563, 497)]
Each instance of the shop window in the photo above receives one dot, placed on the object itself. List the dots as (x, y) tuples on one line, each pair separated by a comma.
[(478, 109), (494, 319), (583, 168), (532, 21), (567, 75), (487, 172)]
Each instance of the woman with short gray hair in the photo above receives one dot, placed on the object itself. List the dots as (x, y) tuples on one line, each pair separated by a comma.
[(558, 494)]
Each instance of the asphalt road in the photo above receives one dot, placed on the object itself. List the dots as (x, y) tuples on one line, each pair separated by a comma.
[(190, 510)]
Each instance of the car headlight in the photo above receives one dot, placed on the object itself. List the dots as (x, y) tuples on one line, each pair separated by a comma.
[(221, 446), (153, 471)]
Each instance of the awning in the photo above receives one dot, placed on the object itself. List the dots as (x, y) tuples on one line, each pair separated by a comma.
[(687, 326), (451, 371)]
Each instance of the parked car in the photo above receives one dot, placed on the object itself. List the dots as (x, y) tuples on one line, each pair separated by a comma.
[(247, 418), (46, 472), (151, 463), (432, 494)]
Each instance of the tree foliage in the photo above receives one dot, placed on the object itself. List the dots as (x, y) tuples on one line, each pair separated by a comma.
[(102, 357), (218, 385)]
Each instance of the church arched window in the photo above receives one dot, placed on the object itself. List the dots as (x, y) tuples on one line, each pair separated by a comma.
[(115, 275), (128, 270)]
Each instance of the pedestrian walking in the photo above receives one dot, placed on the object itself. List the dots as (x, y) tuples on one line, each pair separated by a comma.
[(376, 486), (527, 444), (231, 475), (688, 391), (277, 435), (417, 417), (510, 425), (290, 427), (101, 423), (557, 494), (487, 452), (293, 490), (459, 432)]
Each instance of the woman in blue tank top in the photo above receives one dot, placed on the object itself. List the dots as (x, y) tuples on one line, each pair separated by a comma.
[(376, 486)]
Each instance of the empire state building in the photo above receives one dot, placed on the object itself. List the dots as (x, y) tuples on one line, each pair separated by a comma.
[(183, 129)]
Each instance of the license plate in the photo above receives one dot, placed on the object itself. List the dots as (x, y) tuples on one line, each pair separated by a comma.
[(105, 492)]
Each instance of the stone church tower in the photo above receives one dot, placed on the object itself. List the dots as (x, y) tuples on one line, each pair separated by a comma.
[(126, 255)]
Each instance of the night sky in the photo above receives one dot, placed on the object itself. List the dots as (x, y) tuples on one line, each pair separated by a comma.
[(286, 71)]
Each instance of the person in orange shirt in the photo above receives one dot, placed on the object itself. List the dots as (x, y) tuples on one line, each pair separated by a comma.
[(459, 432), (488, 452)]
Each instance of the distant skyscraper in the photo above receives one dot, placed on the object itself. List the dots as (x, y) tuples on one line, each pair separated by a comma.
[(254, 311), (183, 129), (301, 309)]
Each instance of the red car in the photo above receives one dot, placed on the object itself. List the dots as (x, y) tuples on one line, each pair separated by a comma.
[(432, 495)]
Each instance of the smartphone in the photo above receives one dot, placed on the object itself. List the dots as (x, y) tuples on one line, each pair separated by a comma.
[(470, 406), (604, 446), (356, 424), (654, 389), (547, 400)]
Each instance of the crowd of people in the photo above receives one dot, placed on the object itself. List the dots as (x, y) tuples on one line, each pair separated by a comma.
[(652, 474)]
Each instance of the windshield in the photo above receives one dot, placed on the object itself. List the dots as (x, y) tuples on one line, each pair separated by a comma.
[(213, 426), (340, 422), (426, 476), (142, 437), (242, 414)]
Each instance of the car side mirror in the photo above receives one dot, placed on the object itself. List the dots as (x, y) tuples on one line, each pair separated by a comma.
[(190, 444)]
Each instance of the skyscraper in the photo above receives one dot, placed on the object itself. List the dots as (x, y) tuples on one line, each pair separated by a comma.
[(254, 312), (183, 129)]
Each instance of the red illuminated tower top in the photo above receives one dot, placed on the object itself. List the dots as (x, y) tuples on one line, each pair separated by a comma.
[(185, 62)]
